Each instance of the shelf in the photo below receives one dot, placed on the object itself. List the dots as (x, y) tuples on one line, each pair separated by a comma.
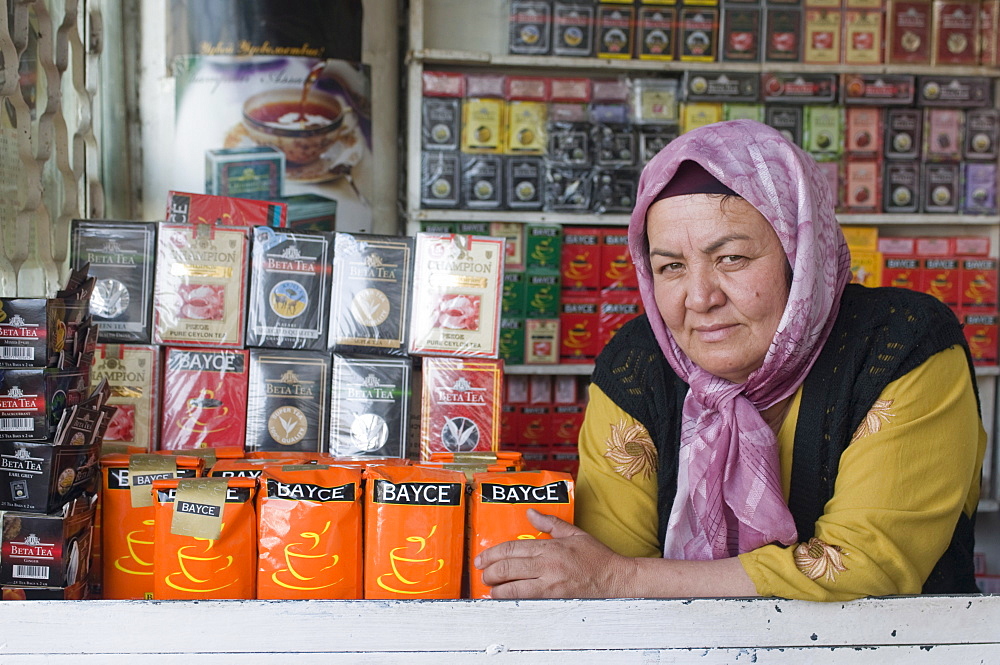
[(564, 370), (538, 217), (989, 505), (482, 58), (988, 371)]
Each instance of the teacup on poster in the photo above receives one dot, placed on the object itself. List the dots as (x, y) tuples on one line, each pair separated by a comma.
[(457, 294), (371, 294), (289, 289), (287, 402)]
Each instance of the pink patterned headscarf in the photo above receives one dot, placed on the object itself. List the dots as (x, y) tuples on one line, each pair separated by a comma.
[(729, 497)]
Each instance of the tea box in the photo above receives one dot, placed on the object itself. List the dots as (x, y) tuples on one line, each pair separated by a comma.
[(370, 406), (287, 403)]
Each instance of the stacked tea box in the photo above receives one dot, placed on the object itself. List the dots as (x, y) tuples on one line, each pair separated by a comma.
[(51, 426)]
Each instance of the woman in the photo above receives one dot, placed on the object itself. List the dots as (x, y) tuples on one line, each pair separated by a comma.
[(766, 429)]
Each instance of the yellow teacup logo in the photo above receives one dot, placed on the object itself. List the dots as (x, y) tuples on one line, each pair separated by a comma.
[(139, 560), (201, 570), (306, 564), (413, 574)]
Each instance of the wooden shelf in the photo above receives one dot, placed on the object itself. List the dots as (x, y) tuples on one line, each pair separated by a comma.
[(482, 58), (620, 219)]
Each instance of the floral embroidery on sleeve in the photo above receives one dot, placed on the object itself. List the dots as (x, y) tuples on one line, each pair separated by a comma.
[(631, 451), (878, 415), (817, 559)]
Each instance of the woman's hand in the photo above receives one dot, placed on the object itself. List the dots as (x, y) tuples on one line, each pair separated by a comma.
[(572, 564)]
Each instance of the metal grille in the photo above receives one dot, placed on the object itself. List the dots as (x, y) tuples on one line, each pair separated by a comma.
[(48, 149)]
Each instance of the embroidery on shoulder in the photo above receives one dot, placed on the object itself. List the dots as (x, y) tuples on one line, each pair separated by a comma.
[(816, 559), (631, 451), (880, 414)]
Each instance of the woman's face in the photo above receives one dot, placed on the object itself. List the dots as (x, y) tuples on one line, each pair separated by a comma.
[(720, 278)]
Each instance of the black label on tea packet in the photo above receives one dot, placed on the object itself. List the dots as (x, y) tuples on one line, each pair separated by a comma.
[(288, 290), (371, 277), (121, 257), (369, 406), (287, 401)]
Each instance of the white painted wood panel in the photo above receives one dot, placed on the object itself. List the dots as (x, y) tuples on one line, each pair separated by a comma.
[(962, 629)]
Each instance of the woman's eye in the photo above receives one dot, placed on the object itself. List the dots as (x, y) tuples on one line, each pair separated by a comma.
[(669, 267), (733, 259)]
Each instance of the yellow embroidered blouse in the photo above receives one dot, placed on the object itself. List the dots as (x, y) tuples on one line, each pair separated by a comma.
[(913, 464)]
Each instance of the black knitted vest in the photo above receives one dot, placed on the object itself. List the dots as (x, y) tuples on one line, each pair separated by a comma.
[(879, 336)]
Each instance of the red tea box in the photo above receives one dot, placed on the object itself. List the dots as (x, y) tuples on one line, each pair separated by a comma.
[(989, 32), (194, 209), (901, 271), (541, 341), (955, 35), (581, 258), (939, 277), (456, 307), (579, 320), (535, 425), (897, 245), (981, 334), (133, 374), (565, 423), (200, 290), (863, 37), (979, 285), (615, 310), (863, 135), (822, 42), (204, 398), (935, 246), (972, 245), (909, 32), (862, 189), (460, 405), (940, 187), (509, 425), (617, 270)]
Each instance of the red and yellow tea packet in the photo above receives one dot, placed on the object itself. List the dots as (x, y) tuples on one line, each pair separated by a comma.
[(309, 527), (498, 510), (126, 529), (414, 532), (222, 563)]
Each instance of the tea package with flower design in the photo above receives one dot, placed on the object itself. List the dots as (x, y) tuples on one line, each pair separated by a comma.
[(288, 405), (126, 518), (289, 290), (133, 373), (309, 532), (204, 398), (371, 294), (121, 256), (460, 405), (200, 287), (458, 294), (498, 511), (370, 405), (414, 532), (205, 538)]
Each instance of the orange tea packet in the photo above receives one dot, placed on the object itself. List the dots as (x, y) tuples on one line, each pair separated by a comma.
[(300, 456), (507, 458), (247, 468), (414, 532), (205, 544), (309, 532), (498, 510), (126, 533)]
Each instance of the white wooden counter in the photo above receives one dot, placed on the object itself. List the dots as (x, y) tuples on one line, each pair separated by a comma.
[(959, 629)]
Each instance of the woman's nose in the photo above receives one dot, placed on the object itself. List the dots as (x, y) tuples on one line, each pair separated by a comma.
[(704, 291)]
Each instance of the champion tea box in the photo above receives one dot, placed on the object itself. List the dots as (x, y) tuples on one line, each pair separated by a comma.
[(458, 294), (201, 285), (369, 406), (289, 289), (371, 293), (132, 371), (122, 258), (287, 401)]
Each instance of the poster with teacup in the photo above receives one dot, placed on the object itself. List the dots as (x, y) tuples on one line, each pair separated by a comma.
[(312, 114)]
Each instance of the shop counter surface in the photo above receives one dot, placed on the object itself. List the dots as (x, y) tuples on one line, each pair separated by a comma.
[(936, 629)]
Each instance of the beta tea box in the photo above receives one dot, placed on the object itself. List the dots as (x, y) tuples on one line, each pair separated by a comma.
[(41, 477), (122, 257), (371, 293), (369, 406), (460, 406), (35, 331), (289, 289), (47, 550), (287, 402)]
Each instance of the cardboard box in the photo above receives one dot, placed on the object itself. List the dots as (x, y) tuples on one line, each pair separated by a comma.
[(615, 190), (940, 187), (981, 334), (863, 36), (863, 182), (246, 173), (370, 406), (615, 310), (193, 209), (656, 33), (982, 130), (784, 34), (524, 181), (527, 123), (512, 340), (617, 272), (529, 27), (979, 285), (541, 341), (34, 331), (980, 195), (909, 32), (943, 134), (33, 400), (482, 181), (581, 258), (939, 277), (901, 187), (955, 35), (287, 400), (37, 477), (579, 320), (615, 32), (460, 405), (822, 30), (133, 372), (47, 550), (903, 133), (864, 133), (572, 28), (440, 179), (698, 32), (542, 291), (441, 123), (741, 33)]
